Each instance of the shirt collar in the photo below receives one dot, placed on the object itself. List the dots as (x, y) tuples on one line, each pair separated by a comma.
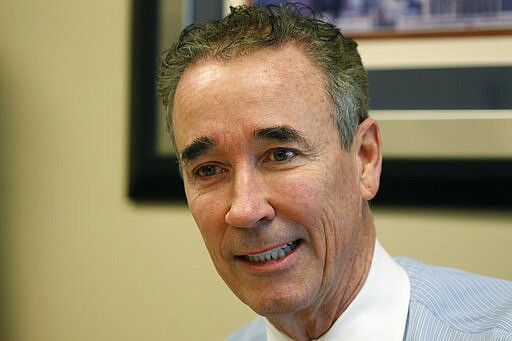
[(379, 311)]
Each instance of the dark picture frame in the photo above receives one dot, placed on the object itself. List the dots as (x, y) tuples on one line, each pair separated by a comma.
[(439, 182)]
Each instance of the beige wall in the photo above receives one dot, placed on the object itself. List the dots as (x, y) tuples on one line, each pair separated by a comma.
[(79, 261)]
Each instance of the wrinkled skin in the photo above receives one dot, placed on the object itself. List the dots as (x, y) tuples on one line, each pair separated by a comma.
[(251, 189)]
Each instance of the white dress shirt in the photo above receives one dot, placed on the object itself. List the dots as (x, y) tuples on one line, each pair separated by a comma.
[(379, 311)]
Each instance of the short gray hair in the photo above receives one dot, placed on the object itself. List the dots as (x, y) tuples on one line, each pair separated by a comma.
[(253, 27)]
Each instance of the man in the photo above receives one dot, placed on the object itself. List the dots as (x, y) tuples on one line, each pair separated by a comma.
[(268, 113)]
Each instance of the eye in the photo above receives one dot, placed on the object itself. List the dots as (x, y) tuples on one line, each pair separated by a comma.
[(280, 155), (208, 170)]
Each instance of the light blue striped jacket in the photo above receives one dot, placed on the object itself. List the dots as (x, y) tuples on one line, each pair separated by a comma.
[(445, 305)]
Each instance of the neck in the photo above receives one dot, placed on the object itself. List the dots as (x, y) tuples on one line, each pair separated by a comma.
[(313, 322)]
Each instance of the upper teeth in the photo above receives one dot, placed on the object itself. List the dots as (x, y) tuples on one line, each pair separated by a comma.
[(276, 253)]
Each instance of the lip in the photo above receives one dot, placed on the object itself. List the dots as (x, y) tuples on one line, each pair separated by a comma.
[(255, 260)]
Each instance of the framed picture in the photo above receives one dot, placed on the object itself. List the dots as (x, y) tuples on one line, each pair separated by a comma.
[(413, 18), (446, 125)]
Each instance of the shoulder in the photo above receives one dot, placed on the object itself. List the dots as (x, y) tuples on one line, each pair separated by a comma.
[(254, 331), (457, 301)]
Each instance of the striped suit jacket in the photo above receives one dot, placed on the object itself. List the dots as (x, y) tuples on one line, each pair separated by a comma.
[(445, 304)]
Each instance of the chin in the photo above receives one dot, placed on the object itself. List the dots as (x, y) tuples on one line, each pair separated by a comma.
[(277, 304)]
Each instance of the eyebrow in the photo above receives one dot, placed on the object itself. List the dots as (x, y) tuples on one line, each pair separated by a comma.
[(203, 144), (198, 147), (280, 133)]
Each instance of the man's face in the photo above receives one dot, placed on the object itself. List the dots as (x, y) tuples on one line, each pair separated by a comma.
[(277, 200)]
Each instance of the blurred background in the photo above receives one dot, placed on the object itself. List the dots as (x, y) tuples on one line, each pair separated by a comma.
[(78, 259)]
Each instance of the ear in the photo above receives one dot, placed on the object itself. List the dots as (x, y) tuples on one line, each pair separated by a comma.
[(367, 145)]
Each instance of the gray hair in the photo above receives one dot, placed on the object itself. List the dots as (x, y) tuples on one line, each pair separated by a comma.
[(248, 28)]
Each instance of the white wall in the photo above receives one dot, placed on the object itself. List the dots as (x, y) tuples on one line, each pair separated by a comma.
[(79, 261)]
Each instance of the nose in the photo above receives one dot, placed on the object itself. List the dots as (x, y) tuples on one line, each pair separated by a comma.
[(250, 206)]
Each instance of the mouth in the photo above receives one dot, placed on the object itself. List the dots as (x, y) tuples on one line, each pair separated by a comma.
[(273, 254)]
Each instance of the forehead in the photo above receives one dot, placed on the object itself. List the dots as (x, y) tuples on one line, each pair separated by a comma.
[(268, 87)]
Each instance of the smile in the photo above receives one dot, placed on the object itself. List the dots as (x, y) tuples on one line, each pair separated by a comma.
[(274, 254)]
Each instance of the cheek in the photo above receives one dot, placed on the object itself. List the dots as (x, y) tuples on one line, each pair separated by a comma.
[(319, 193), (326, 205), (308, 199), (208, 214)]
